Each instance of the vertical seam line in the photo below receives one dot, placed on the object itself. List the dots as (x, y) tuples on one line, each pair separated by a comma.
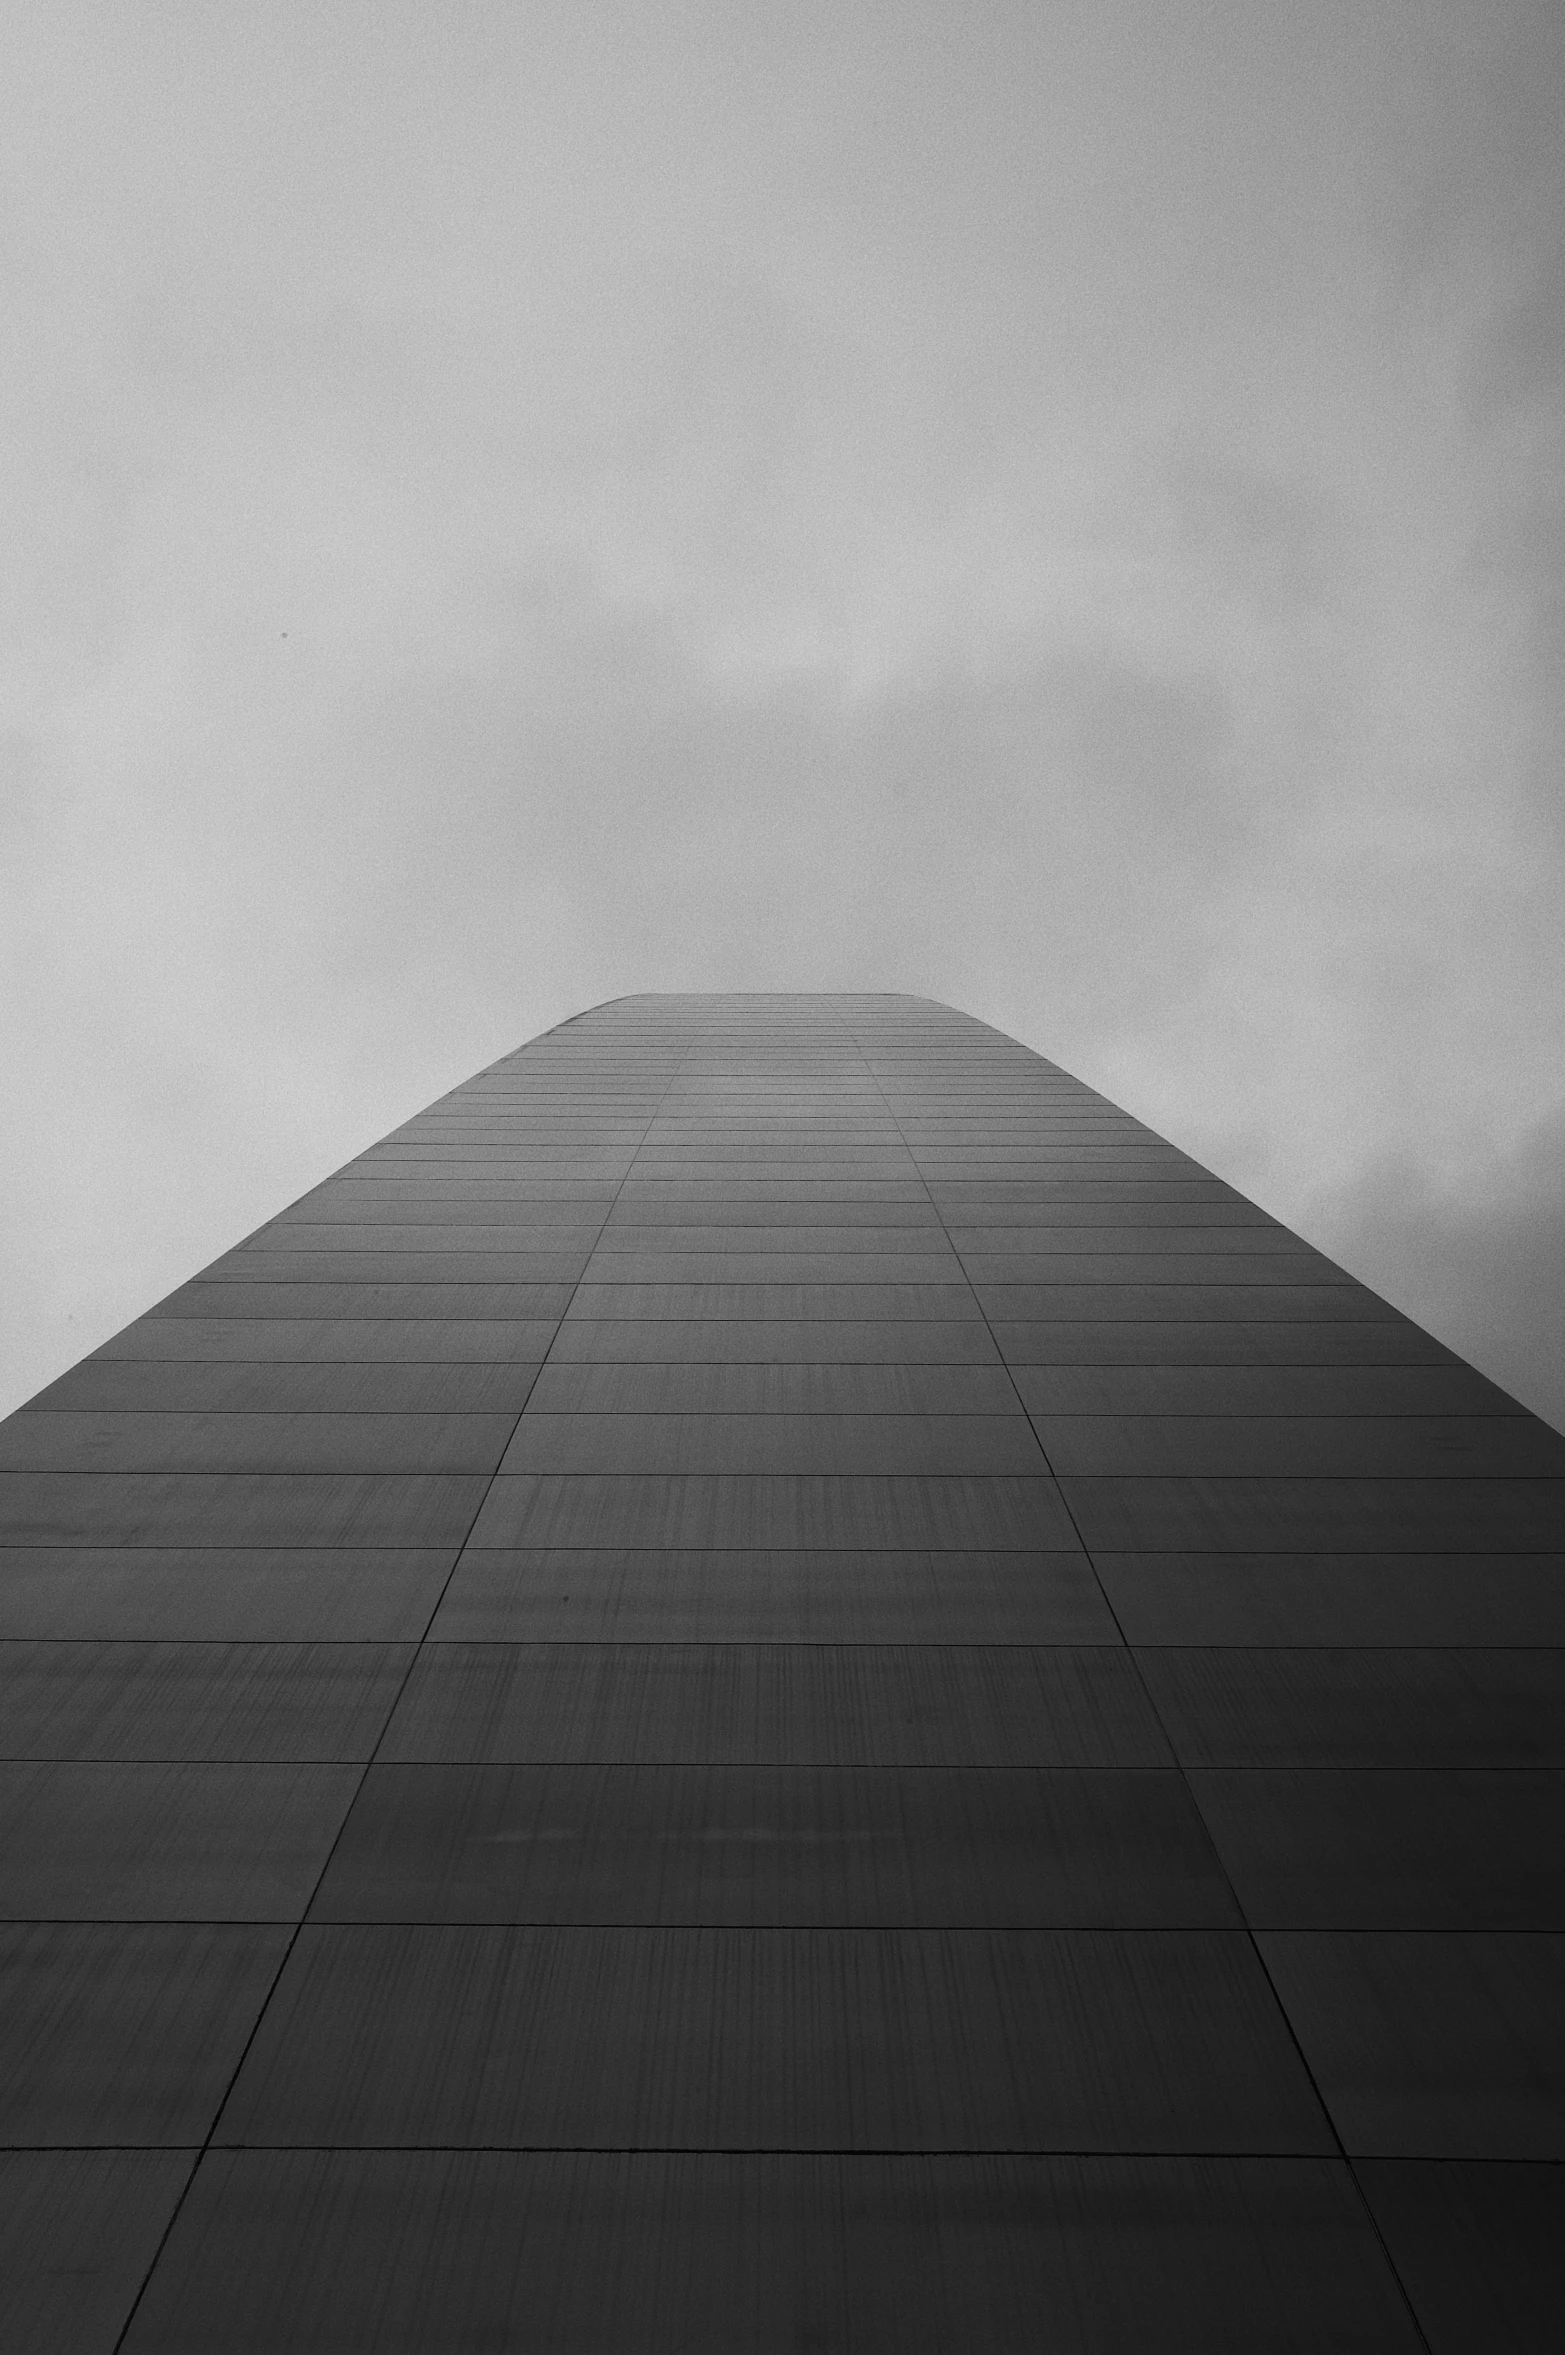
[(1157, 1715)]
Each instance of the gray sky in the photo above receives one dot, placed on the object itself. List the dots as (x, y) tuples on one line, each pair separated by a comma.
[(1060, 507)]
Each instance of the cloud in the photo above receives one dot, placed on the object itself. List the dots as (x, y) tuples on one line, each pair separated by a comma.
[(1486, 1269), (516, 508)]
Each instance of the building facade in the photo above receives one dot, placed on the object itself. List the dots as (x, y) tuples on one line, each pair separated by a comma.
[(773, 1682)]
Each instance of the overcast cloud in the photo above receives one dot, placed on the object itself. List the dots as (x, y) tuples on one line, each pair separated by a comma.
[(1059, 507)]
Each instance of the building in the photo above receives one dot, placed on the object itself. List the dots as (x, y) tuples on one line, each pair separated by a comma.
[(773, 1682)]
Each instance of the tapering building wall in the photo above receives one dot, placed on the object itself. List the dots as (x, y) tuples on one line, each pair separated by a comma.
[(774, 1682)]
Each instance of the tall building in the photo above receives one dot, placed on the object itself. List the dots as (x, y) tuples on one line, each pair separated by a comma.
[(771, 1683)]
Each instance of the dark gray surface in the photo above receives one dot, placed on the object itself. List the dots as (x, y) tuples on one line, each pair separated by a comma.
[(1069, 1337), (78, 2231), (582, 1594), (901, 1390), (134, 1842), (434, 1230), (744, 2040), (918, 1274), (1391, 1849), (313, 1441), (258, 1301), (1332, 1446), (947, 1511), (408, 2252), (108, 1385), (848, 1298), (236, 1508), (330, 1340), (570, 1634), (1027, 1235), (1478, 2248), (1428, 2043), (774, 1845), (314, 1594), (1152, 1265), (1390, 1515), (781, 1337), (1351, 1391), (126, 2033), (1333, 1599), (1479, 1706), (855, 1444), (466, 1265), (1130, 1296), (188, 1700), (776, 1704)]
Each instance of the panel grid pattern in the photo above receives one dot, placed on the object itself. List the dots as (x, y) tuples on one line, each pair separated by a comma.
[(773, 1681)]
